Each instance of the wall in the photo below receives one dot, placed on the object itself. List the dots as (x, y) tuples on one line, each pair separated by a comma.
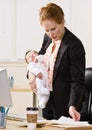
[(21, 31), (81, 25), (18, 71), (21, 100)]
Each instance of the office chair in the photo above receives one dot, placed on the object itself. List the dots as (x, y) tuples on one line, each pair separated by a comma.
[(86, 111)]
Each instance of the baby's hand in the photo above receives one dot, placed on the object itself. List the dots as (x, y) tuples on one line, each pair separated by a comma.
[(39, 75)]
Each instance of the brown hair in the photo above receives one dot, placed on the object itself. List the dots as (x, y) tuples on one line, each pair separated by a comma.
[(51, 11), (28, 52)]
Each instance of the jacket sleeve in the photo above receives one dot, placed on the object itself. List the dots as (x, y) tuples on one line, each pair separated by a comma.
[(77, 70), (45, 44)]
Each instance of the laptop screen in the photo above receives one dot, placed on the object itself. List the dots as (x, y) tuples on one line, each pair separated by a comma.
[(5, 95)]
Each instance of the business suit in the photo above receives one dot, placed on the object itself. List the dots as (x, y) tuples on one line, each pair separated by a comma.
[(68, 76)]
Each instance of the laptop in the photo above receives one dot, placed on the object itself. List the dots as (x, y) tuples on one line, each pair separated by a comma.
[(5, 95)]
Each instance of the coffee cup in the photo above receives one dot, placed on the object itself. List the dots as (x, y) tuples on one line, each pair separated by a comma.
[(32, 114)]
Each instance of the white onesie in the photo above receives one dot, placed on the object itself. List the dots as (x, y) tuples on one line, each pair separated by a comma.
[(42, 84)]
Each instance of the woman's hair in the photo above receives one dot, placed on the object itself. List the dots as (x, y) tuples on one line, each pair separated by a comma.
[(51, 12)]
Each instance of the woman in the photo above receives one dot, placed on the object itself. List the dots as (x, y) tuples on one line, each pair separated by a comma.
[(66, 61)]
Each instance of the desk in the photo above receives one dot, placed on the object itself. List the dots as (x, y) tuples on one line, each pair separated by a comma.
[(12, 125)]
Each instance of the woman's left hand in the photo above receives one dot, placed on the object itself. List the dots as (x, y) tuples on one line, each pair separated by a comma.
[(32, 82), (74, 113)]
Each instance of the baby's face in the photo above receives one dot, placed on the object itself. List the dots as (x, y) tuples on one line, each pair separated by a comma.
[(31, 56)]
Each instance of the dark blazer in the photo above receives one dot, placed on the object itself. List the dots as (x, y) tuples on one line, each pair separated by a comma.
[(68, 76)]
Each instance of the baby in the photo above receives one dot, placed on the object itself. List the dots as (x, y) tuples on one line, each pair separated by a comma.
[(36, 66)]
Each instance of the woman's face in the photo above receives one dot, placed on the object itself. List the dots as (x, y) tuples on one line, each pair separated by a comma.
[(54, 30)]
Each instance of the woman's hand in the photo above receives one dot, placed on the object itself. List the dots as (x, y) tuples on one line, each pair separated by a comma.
[(32, 82), (74, 113)]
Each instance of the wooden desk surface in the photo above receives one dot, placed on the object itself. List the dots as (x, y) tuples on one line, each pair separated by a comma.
[(13, 125)]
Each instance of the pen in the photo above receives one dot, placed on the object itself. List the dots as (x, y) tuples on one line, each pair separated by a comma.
[(7, 110)]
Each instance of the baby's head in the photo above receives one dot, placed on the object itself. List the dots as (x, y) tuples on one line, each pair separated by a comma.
[(30, 56)]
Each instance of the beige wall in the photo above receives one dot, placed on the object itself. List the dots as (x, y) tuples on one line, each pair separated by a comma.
[(80, 23), (21, 100), (22, 97), (18, 71), (80, 20)]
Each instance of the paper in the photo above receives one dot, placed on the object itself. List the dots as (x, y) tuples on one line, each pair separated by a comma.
[(67, 121), (61, 121)]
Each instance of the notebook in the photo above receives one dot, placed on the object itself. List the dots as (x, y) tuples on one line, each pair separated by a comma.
[(5, 95)]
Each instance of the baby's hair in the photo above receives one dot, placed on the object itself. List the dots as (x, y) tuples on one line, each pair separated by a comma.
[(28, 52)]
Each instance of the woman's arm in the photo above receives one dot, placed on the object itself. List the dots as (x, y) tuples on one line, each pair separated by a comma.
[(45, 44), (32, 82)]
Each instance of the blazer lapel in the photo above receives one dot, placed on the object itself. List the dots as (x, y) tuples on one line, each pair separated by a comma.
[(61, 51)]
